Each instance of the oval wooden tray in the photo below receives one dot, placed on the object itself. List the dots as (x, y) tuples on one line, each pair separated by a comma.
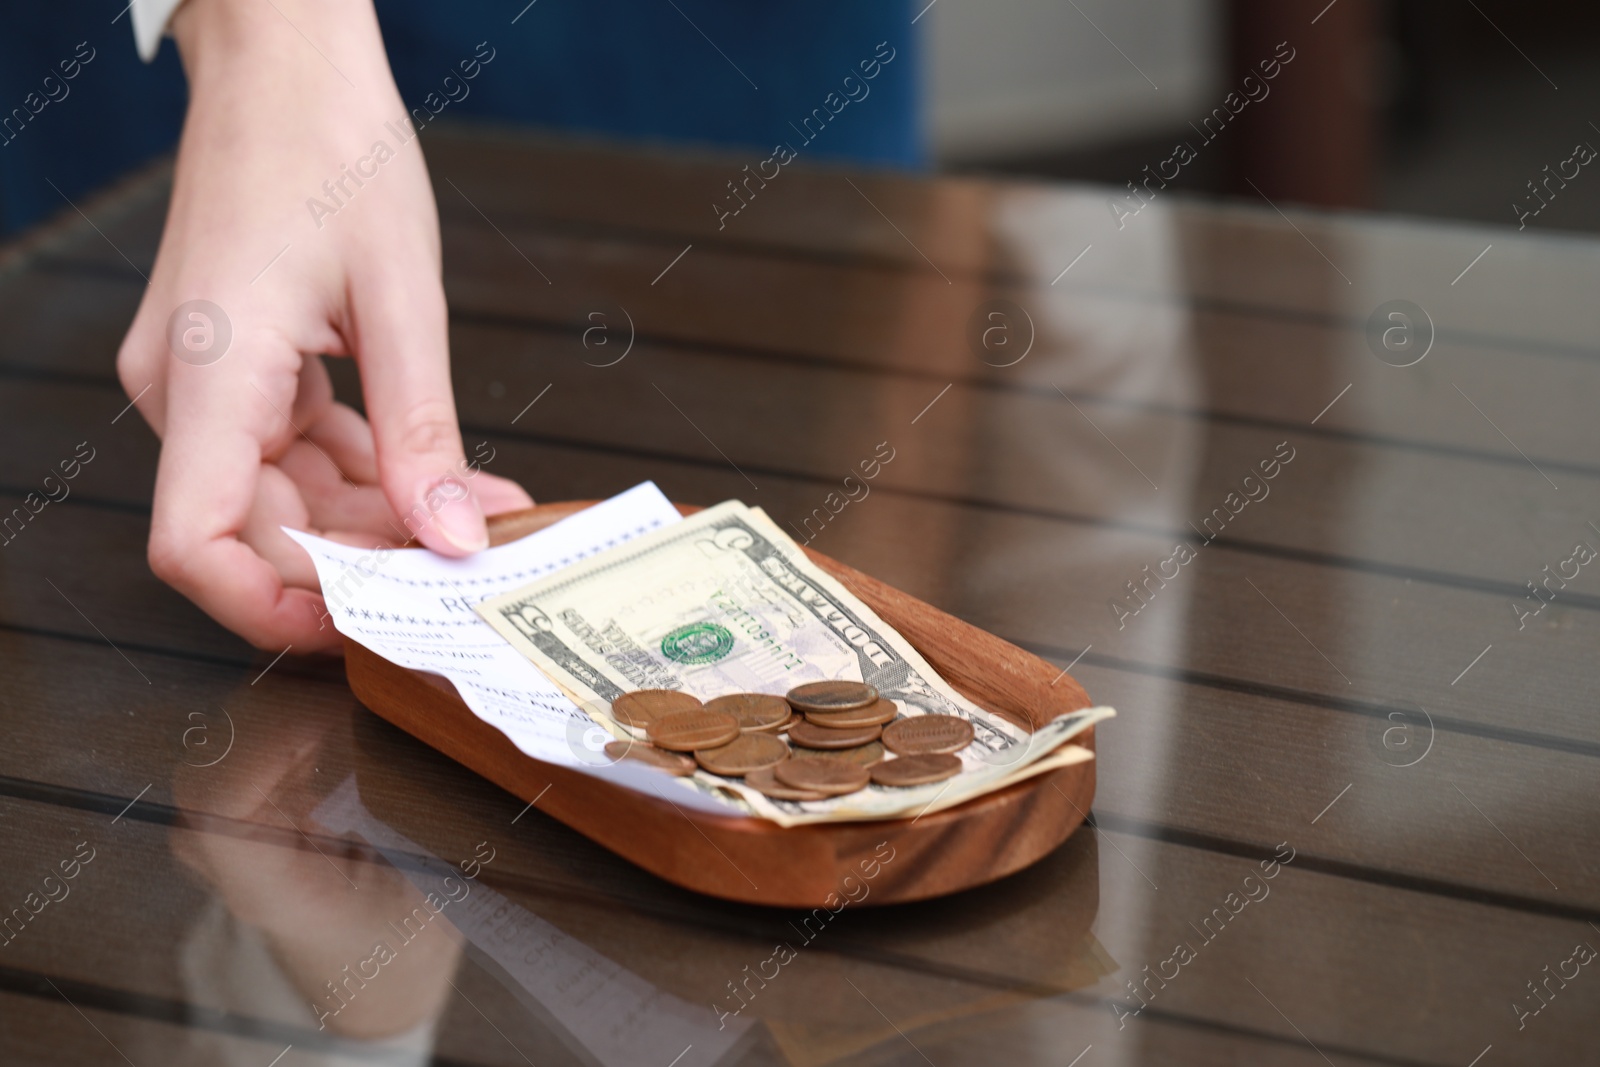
[(753, 860)]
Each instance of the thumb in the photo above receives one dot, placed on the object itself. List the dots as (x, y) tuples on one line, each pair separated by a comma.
[(403, 350)]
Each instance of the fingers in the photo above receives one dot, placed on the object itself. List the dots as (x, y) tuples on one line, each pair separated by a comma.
[(399, 322), (347, 439), (330, 503), (334, 464), (278, 504), (335, 470), (361, 539), (337, 480), (206, 488), (314, 395)]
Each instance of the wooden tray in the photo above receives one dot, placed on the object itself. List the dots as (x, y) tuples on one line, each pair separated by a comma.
[(753, 860)]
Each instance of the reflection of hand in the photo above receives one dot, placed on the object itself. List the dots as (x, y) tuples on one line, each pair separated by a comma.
[(286, 100), (307, 903)]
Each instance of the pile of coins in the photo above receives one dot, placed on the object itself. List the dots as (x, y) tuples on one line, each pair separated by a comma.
[(820, 740)]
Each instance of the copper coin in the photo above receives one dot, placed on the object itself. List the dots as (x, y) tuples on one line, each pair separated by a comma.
[(755, 711), (685, 731), (766, 781), (862, 755), (671, 762), (917, 770), (877, 713), (831, 777), (831, 696), (923, 734), (808, 734), (643, 706), (745, 753)]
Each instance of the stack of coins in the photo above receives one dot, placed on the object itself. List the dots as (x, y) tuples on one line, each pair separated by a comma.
[(840, 737)]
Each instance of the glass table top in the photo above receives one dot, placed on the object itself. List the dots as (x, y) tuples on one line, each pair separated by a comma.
[(1311, 499)]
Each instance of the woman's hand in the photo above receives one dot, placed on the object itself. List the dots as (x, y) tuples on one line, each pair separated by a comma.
[(302, 215)]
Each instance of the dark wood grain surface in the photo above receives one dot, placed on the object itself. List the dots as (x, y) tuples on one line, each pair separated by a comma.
[(1313, 679)]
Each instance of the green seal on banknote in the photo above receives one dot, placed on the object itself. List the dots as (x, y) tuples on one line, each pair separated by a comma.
[(698, 642)]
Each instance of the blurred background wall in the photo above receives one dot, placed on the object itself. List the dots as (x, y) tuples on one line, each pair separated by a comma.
[(1026, 79), (1445, 108)]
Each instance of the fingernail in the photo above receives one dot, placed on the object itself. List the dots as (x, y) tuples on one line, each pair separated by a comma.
[(459, 519)]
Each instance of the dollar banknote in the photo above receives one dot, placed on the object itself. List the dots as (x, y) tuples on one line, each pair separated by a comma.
[(724, 602)]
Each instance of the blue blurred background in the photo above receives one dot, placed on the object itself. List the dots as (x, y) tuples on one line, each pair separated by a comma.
[(1422, 107), (634, 69)]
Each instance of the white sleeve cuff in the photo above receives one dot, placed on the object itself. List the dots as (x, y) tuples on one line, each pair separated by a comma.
[(149, 23)]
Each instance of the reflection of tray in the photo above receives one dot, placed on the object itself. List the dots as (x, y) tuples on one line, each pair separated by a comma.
[(753, 860)]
